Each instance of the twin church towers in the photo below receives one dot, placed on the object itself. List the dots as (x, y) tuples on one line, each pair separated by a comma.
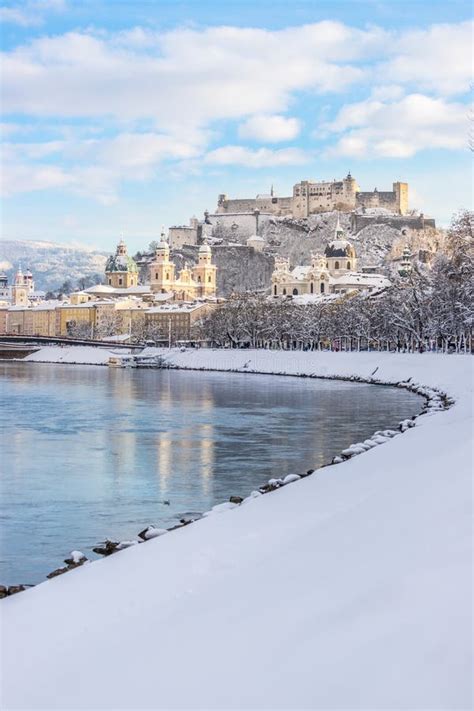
[(199, 281)]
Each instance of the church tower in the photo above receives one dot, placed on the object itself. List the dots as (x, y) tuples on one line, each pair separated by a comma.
[(21, 288), (162, 270), (204, 273)]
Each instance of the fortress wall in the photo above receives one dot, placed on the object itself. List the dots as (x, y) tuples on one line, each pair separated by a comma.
[(387, 200), (398, 222), (179, 236), (237, 226), (275, 205)]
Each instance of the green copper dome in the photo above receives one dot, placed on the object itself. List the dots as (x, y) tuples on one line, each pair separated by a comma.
[(121, 261)]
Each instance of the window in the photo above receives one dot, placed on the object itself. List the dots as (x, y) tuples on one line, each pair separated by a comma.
[(336, 265), (312, 288), (348, 265), (110, 281), (199, 279), (156, 275), (167, 275), (209, 279), (322, 287), (295, 292), (120, 281), (275, 290), (284, 292)]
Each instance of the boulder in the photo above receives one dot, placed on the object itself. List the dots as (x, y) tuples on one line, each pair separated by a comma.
[(58, 571), (13, 589), (236, 499), (151, 532), (75, 559), (3, 591), (290, 478), (107, 548)]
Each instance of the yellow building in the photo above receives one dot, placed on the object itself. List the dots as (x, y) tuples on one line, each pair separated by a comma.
[(177, 322), (120, 269), (197, 282), (335, 272)]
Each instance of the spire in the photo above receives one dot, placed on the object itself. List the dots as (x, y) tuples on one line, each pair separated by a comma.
[(271, 190), (162, 236), (339, 232)]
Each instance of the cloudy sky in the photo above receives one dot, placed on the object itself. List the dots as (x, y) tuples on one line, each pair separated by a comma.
[(123, 115)]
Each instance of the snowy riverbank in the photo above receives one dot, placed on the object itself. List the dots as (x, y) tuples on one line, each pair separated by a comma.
[(348, 589)]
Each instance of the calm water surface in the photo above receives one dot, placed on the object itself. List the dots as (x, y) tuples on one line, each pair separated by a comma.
[(89, 453)]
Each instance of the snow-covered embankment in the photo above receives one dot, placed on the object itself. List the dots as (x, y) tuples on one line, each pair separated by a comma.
[(348, 589)]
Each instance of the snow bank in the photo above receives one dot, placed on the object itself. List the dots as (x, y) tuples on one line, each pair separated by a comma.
[(88, 355), (350, 588)]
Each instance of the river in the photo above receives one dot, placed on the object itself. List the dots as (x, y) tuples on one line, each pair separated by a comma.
[(91, 452)]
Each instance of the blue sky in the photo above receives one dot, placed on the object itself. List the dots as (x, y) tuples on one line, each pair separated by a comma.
[(119, 117)]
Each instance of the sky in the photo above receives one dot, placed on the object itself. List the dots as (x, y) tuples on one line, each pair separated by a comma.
[(119, 117)]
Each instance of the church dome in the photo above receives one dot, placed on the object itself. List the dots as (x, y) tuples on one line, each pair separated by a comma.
[(121, 261), (340, 248), (162, 246)]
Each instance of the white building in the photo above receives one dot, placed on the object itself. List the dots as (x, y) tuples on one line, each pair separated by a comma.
[(335, 272)]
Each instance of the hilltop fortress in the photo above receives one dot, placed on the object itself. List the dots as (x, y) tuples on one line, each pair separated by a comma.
[(310, 198)]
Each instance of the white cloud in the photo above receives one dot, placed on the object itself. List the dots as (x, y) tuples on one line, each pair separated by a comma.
[(185, 77), (96, 166), (260, 158), (160, 97), (399, 129), (29, 14), (270, 129), (438, 59)]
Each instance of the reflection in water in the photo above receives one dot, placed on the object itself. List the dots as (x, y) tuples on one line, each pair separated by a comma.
[(93, 452)]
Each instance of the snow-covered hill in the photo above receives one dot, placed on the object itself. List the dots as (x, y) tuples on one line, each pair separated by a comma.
[(349, 589), (376, 244), (51, 263)]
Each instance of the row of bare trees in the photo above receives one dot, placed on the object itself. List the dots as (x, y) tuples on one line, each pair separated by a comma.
[(426, 309)]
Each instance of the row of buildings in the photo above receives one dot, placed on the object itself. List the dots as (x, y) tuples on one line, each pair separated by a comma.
[(170, 305)]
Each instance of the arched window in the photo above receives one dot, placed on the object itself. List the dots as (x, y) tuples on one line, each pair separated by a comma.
[(275, 290), (322, 287), (209, 279), (336, 265), (167, 275), (348, 265), (284, 292), (120, 281), (199, 279), (295, 292), (156, 275), (110, 281), (312, 287), (327, 265)]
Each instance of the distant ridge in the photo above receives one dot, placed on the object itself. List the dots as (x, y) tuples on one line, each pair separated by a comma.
[(51, 263)]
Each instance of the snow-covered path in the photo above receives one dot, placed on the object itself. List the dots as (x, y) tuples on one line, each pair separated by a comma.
[(349, 589)]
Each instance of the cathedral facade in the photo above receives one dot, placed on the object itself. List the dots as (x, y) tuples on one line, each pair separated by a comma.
[(196, 282)]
